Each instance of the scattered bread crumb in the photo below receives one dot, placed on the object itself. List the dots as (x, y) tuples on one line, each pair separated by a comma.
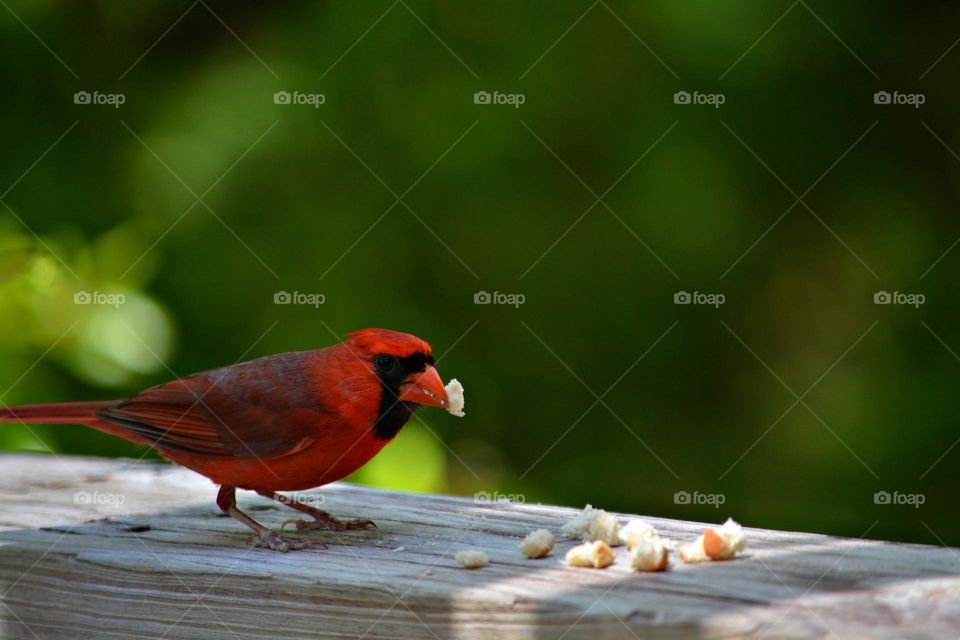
[(471, 559), (596, 554), (538, 543), (724, 542), (716, 543), (635, 531), (593, 524), (649, 554), (455, 394), (693, 552)]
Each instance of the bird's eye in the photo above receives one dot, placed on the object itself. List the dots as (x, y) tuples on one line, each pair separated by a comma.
[(385, 363)]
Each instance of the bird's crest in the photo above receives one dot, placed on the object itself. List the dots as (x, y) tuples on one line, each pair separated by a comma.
[(386, 341)]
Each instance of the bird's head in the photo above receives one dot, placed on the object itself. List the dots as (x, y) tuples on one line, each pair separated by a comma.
[(403, 364)]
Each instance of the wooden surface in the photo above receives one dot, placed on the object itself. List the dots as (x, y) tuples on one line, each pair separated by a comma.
[(142, 551)]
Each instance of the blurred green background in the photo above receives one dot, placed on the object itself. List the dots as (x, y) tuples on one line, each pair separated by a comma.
[(497, 197)]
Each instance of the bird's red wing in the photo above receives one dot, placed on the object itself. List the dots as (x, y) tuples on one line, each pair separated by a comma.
[(196, 416)]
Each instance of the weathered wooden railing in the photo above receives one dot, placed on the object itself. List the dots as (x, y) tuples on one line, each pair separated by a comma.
[(112, 548)]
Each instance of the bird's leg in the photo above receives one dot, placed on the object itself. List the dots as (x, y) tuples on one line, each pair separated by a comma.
[(227, 501), (321, 519)]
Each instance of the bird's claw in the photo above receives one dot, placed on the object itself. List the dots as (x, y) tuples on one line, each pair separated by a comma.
[(271, 540), (331, 524)]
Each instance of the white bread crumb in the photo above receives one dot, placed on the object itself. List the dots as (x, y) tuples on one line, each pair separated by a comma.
[(716, 543), (455, 395), (635, 531), (538, 543), (593, 524), (596, 554), (649, 554), (724, 542), (471, 559), (693, 551)]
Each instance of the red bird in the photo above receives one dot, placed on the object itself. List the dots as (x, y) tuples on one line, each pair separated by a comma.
[(285, 422)]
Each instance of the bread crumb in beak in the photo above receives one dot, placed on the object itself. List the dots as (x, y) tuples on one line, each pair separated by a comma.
[(597, 555), (471, 559), (538, 544), (455, 395)]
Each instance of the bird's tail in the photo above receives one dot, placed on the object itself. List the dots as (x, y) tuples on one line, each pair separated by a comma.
[(57, 412)]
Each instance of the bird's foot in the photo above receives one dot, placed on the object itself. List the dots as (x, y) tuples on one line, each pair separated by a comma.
[(271, 540), (330, 523)]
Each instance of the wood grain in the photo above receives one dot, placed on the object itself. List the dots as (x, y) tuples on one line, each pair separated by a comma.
[(121, 549)]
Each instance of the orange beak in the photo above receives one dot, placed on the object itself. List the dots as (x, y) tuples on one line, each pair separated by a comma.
[(425, 387)]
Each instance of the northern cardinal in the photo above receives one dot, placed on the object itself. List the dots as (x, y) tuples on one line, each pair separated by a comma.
[(285, 422)]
